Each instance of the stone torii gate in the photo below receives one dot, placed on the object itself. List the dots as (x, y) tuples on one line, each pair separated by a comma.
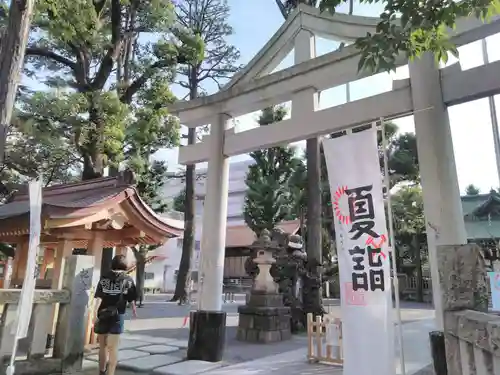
[(426, 95)]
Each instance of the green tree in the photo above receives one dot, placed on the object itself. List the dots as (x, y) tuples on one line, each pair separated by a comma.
[(298, 190), (149, 185), (32, 149), (112, 86), (407, 27), (409, 228), (209, 21), (180, 201), (403, 158), (268, 200), (472, 190), (313, 149)]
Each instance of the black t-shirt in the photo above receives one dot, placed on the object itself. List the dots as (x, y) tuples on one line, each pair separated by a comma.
[(111, 286)]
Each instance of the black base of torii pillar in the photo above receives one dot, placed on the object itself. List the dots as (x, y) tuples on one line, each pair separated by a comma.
[(207, 335)]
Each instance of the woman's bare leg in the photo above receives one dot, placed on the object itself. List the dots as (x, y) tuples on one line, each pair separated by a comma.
[(113, 344), (103, 352)]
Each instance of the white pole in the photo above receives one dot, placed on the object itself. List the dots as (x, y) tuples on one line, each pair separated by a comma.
[(393, 249), (25, 305), (493, 113)]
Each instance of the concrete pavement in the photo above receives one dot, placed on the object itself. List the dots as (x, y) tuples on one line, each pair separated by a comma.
[(292, 362)]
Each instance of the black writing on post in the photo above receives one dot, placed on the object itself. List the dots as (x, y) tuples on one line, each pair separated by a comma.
[(361, 212)]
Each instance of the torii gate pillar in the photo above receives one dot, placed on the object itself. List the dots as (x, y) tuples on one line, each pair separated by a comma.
[(207, 331), (441, 194)]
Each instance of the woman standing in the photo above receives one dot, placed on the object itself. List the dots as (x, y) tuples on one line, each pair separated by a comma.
[(114, 291)]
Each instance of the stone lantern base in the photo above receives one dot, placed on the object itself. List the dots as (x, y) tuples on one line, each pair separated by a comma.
[(264, 319)]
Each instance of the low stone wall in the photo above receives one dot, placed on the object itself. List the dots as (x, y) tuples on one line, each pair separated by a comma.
[(472, 335)]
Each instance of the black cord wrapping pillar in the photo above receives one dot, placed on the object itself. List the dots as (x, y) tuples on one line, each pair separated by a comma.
[(438, 352)]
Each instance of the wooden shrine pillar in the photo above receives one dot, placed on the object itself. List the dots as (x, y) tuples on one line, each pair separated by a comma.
[(63, 250), (20, 261), (7, 275), (49, 256), (94, 247)]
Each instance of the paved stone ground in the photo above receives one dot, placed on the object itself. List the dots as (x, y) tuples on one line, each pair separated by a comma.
[(155, 344)]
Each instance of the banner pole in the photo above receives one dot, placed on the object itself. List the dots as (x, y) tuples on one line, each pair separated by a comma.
[(393, 248)]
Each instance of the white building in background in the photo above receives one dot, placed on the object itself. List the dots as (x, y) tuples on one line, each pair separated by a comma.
[(161, 272), (237, 187)]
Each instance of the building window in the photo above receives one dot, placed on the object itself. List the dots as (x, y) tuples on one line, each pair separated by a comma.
[(149, 276), (197, 245)]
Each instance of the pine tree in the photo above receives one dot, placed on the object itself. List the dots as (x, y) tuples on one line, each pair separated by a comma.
[(269, 200), (472, 190), (149, 185), (208, 20), (180, 201)]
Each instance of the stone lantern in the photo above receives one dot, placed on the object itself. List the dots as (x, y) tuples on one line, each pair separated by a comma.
[(264, 318), (264, 282)]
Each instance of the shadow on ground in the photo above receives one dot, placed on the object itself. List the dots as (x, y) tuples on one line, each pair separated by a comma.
[(236, 351)]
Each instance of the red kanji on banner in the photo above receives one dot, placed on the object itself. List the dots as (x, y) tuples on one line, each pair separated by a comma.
[(354, 297)]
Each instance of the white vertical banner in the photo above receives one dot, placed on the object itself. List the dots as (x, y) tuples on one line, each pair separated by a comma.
[(363, 253), (28, 291)]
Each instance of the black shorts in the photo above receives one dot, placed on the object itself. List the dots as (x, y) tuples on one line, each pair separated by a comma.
[(110, 327)]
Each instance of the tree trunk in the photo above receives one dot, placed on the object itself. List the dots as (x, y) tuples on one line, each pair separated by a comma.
[(93, 149), (182, 284), (12, 50), (107, 258), (313, 245), (140, 269), (418, 264)]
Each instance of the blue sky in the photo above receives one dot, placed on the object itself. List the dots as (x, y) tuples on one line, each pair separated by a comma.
[(470, 122)]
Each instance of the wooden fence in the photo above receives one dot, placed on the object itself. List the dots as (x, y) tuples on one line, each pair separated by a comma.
[(324, 339)]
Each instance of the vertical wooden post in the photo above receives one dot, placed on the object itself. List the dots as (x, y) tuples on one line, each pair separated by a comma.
[(319, 331), (94, 248), (19, 266), (310, 328), (7, 276), (71, 323), (48, 258), (63, 250)]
